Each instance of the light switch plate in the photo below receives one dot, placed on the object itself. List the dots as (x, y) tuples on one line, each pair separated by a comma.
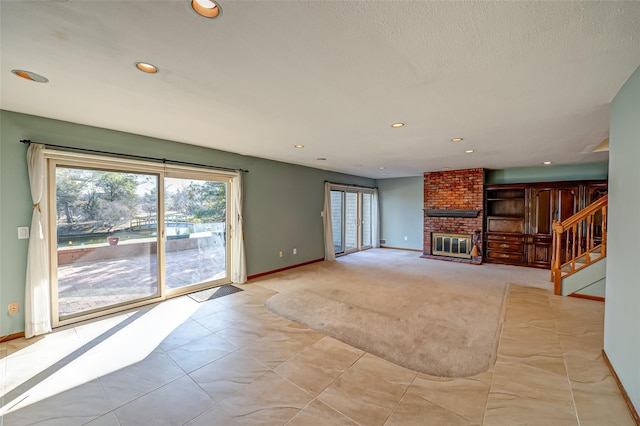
[(23, 232)]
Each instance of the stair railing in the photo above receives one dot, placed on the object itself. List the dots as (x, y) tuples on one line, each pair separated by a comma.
[(575, 237)]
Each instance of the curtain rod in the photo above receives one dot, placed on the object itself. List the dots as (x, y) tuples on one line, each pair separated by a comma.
[(351, 184), (136, 157)]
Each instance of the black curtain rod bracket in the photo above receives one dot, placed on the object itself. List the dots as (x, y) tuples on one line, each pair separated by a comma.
[(135, 157)]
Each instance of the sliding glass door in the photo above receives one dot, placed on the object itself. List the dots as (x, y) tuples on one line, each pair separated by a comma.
[(337, 220), (366, 216), (195, 221), (351, 220), (106, 252), (128, 234)]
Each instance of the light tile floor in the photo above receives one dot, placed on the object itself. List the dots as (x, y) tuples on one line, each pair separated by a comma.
[(229, 361)]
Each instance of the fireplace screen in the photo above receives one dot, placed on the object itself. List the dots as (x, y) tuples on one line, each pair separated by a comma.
[(452, 245)]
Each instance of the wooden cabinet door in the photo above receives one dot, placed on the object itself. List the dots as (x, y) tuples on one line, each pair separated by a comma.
[(566, 203), (547, 205), (542, 211), (594, 192), (539, 241)]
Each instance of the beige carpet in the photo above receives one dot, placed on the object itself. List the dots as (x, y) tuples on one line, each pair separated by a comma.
[(438, 318)]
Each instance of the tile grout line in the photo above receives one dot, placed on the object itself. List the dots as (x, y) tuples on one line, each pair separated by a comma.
[(564, 359), (302, 409), (96, 418), (269, 369), (185, 374), (345, 370), (334, 380), (400, 399), (486, 405), (215, 404), (322, 402), (447, 409)]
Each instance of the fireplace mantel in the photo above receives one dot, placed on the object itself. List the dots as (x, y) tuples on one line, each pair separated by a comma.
[(451, 213)]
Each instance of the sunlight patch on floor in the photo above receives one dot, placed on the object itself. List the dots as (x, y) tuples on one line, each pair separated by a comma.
[(155, 325)]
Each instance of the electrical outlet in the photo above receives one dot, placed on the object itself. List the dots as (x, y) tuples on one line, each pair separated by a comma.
[(281, 253), (295, 251), (14, 308)]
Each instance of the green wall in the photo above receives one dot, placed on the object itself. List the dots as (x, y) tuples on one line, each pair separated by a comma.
[(551, 173), (622, 306), (401, 203), (282, 202)]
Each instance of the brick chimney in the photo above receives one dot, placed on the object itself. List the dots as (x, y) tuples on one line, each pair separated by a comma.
[(453, 190)]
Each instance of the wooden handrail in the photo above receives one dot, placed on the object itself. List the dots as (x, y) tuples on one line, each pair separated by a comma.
[(577, 233), (582, 214)]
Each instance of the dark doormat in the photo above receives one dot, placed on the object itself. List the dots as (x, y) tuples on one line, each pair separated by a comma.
[(213, 293)]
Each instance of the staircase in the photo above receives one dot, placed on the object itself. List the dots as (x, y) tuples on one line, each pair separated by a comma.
[(578, 264)]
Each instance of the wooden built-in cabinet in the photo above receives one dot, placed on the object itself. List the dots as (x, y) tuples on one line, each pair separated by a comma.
[(519, 218)]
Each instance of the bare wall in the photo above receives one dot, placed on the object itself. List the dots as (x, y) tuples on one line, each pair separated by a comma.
[(555, 172), (622, 308), (401, 202)]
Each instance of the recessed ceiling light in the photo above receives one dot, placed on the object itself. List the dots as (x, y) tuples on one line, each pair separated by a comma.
[(381, 167), (321, 159), (298, 146), (546, 163), (457, 139), (145, 67), (385, 174), (446, 168), (397, 125), (32, 76), (469, 151), (206, 8)]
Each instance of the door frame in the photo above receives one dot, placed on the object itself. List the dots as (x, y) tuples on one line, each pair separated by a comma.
[(359, 191), (96, 162)]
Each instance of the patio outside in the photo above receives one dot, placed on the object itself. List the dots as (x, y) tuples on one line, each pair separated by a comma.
[(108, 230), (88, 285)]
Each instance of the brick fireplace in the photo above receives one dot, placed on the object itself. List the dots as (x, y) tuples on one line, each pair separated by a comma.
[(453, 205)]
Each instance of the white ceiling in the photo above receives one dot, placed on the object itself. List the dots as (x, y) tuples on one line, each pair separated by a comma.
[(521, 82)]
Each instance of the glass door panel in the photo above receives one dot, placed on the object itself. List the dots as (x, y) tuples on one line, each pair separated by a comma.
[(337, 220), (106, 228), (195, 220), (366, 219), (351, 221)]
